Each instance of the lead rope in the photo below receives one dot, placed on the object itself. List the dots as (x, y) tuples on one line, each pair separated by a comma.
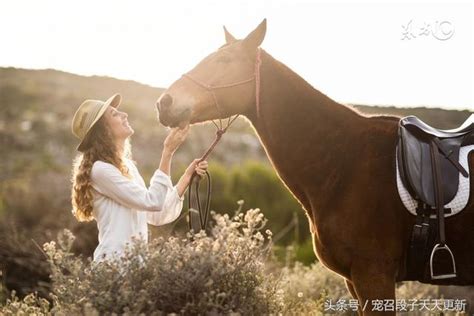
[(195, 179)]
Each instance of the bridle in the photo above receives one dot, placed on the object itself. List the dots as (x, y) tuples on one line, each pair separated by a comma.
[(211, 89), (220, 131)]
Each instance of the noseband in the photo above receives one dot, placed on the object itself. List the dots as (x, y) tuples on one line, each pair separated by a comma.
[(220, 131), (211, 89)]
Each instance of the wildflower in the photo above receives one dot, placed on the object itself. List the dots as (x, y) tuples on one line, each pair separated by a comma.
[(229, 263), (259, 236), (57, 256)]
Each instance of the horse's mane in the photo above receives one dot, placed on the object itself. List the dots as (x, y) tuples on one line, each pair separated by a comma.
[(320, 97)]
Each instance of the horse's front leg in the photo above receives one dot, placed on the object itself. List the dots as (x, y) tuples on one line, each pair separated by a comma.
[(375, 288), (351, 289)]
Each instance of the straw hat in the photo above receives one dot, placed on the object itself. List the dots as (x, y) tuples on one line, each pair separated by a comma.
[(88, 113)]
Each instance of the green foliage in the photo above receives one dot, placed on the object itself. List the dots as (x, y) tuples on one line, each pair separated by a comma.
[(305, 252), (257, 185)]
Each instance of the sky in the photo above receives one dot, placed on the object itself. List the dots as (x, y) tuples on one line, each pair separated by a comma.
[(403, 53)]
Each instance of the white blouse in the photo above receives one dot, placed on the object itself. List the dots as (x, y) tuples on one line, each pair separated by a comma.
[(123, 206)]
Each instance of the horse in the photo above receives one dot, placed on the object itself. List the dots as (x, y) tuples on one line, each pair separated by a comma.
[(338, 163)]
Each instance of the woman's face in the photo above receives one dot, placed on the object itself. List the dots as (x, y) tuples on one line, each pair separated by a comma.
[(118, 123)]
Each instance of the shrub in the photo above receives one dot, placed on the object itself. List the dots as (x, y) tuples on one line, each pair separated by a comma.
[(31, 304), (199, 274), (306, 288)]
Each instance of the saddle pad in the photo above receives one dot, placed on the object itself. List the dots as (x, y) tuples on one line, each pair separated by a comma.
[(462, 196)]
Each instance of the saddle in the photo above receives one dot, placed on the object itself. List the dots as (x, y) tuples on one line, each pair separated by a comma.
[(428, 160), (417, 164)]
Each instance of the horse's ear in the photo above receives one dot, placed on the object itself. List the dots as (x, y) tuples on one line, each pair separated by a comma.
[(229, 38), (255, 38)]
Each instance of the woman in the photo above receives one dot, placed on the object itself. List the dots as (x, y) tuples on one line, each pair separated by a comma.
[(107, 186)]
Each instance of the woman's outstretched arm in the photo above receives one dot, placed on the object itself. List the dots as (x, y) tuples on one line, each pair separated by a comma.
[(174, 139), (172, 142), (183, 183)]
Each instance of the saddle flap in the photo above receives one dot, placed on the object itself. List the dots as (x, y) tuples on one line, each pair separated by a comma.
[(414, 157)]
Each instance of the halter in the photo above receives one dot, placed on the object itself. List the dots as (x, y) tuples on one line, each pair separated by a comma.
[(211, 89), (220, 131)]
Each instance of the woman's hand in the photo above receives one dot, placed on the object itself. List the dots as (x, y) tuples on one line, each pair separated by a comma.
[(175, 138), (199, 167), (184, 181)]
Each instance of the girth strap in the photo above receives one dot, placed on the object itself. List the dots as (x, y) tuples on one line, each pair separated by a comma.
[(438, 192), (448, 156)]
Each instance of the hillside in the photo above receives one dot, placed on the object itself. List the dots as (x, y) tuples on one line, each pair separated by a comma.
[(37, 107)]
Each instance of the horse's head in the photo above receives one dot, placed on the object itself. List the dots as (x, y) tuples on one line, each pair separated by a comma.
[(221, 85)]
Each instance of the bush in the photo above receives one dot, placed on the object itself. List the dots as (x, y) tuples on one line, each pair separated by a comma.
[(306, 288), (220, 273)]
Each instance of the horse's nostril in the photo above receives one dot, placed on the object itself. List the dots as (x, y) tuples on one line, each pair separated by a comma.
[(165, 101)]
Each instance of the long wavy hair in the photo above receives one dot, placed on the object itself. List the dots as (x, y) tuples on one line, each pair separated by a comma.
[(99, 145)]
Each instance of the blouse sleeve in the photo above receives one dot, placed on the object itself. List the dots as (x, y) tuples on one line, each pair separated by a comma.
[(172, 207), (109, 181)]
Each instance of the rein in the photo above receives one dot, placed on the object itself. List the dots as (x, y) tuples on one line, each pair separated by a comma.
[(195, 179)]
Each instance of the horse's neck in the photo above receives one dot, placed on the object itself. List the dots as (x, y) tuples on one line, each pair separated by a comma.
[(301, 129)]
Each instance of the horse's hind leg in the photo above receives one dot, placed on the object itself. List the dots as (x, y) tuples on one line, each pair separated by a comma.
[(375, 290)]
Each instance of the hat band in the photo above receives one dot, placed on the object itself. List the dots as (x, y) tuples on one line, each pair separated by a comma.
[(90, 119)]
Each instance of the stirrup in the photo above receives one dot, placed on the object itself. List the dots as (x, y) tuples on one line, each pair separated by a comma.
[(442, 276)]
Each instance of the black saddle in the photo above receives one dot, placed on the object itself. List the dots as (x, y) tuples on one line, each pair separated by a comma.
[(415, 158), (428, 160), (464, 129)]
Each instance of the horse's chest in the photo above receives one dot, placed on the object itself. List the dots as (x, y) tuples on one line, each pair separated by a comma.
[(331, 253)]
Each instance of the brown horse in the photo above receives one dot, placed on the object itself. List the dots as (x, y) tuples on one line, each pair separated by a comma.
[(338, 163)]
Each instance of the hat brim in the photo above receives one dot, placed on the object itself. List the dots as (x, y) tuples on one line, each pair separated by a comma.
[(113, 101)]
